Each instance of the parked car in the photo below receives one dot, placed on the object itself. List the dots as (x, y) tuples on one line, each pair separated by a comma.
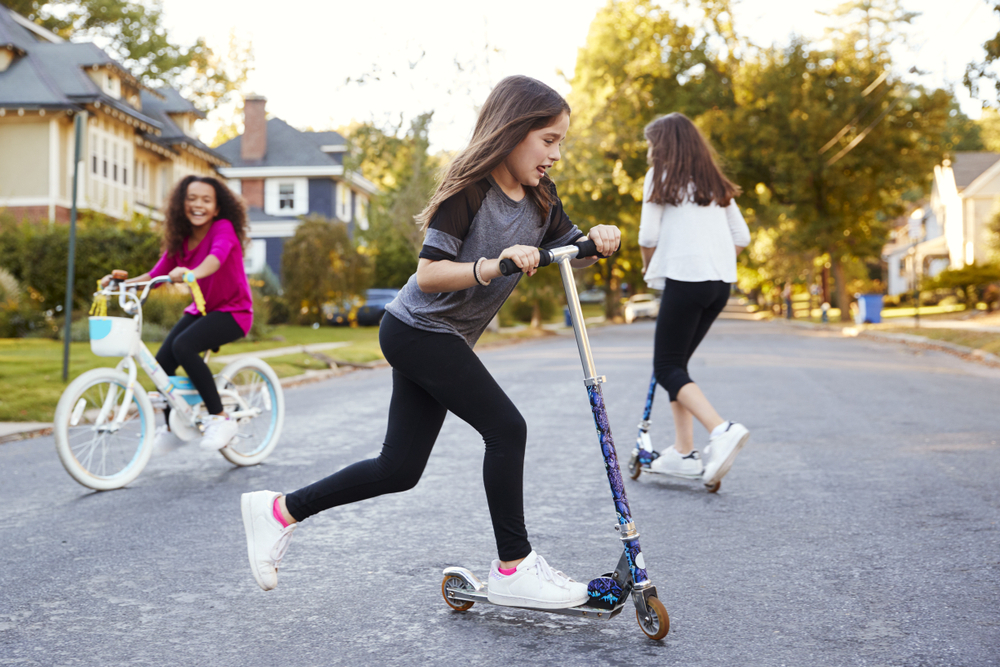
[(371, 311), (641, 305), (592, 295)]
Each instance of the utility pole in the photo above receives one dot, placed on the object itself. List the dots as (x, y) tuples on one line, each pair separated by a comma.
[(71, 268)]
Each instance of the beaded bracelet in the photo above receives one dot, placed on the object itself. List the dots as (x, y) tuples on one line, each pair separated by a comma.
[(477, 272)]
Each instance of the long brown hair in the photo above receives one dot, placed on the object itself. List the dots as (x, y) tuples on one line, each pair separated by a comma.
[(517, 106), (177, 227), (685, 165)]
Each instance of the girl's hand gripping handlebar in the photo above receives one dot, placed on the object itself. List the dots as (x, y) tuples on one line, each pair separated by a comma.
[(586, 248), (199, 298)]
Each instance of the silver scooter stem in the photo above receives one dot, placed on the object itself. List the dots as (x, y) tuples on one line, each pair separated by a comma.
[(576, 316)]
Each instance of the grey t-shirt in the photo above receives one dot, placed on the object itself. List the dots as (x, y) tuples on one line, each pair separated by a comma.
[(479, 221)]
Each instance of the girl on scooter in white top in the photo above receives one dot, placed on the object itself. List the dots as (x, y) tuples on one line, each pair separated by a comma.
[(690, 233)]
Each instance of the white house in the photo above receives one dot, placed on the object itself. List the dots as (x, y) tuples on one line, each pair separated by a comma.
[(952, 229)]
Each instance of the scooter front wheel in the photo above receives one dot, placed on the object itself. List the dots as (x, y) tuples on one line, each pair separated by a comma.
[(656, 624), (451, 581)]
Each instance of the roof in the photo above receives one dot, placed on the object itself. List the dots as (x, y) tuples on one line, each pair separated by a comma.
[(51, 75), (163, 102), (968, 166), (288, 147)]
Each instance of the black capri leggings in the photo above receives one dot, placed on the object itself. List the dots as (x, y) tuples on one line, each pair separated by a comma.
[(687, 310), (183, 346), (433, 373)]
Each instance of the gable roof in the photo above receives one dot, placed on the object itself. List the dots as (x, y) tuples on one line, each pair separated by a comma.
[(968, 166), (288, 147), (162, 102), (51, 75)]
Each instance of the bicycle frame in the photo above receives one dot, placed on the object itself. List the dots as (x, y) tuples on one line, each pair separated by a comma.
[(174, 396)]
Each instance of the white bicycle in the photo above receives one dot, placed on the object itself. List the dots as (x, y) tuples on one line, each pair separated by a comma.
[(104, 422)]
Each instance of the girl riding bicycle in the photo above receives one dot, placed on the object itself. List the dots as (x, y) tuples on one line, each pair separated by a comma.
[(495, 201), (204, 233)]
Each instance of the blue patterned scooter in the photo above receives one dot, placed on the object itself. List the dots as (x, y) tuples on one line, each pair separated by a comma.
[(609, 592), (643, 455)]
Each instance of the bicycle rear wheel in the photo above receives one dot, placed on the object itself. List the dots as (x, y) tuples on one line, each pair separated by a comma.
[(96, 449), (250, 388)]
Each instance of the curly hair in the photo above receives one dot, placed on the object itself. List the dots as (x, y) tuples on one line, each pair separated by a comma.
[(177, 227)]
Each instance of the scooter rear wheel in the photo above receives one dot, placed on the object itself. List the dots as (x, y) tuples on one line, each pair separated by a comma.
[(455, 582), (634, 467), (657, 624)]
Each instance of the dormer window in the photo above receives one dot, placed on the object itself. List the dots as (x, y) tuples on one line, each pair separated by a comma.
[(7, 55), (112, 85)]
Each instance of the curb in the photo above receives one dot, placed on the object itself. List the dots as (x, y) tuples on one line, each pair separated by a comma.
[(911, 340), (26, 435)]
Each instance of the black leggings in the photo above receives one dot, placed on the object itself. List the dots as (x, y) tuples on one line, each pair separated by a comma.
[(687, 310), (183, 346), (433, 373)]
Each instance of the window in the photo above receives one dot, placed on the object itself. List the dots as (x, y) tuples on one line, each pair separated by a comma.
[(360, 211), (286, 196), (256, 257), (105, 158), (343, 202)]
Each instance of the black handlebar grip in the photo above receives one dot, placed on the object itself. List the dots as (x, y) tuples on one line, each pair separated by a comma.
[(508, 267), (587, 249)]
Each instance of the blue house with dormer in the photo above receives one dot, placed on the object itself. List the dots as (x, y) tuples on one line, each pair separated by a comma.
[(285, 174)]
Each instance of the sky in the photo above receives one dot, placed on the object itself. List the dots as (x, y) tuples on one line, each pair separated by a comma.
[(445, 55)]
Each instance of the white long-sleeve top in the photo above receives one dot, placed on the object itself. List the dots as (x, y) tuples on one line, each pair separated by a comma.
[(693, 243)]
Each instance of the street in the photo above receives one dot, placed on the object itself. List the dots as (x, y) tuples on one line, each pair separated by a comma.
[(859, 526)]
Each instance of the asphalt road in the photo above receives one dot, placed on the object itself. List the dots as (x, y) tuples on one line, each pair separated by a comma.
[(858, 527)]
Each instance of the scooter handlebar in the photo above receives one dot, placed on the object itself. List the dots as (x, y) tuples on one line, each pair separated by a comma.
[(585, 248)]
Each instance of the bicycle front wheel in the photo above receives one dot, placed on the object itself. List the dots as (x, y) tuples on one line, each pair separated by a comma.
[(250, 391), (103, 442)]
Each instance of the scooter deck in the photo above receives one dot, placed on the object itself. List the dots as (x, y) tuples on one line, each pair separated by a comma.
[(478, 593)]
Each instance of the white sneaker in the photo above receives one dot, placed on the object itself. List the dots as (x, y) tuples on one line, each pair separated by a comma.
[(164, 440), (672, 462), (219, 431), (721, 452), (534, 585), (267, 540)]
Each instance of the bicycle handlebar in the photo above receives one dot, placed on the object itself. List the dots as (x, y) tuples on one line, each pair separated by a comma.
[(585, 248)]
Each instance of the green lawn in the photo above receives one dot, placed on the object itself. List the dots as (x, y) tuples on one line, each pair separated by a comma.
[(31, 368)]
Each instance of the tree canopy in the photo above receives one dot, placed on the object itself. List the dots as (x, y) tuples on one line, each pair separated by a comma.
[(134, 34), (827, 143)]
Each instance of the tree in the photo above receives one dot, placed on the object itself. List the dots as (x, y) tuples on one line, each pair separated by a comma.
[(133, 32), (840, 189), (638, 63), (406, 175), (320, 265), (979, 72)]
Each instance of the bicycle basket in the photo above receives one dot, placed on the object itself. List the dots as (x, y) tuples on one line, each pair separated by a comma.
[(113, 336)]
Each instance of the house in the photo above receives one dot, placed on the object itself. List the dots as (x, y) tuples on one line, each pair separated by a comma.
[(138, 141), (285, 174), (951, 230)]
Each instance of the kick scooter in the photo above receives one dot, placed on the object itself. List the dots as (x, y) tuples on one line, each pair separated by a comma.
[(609, 592), (644, 454)]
